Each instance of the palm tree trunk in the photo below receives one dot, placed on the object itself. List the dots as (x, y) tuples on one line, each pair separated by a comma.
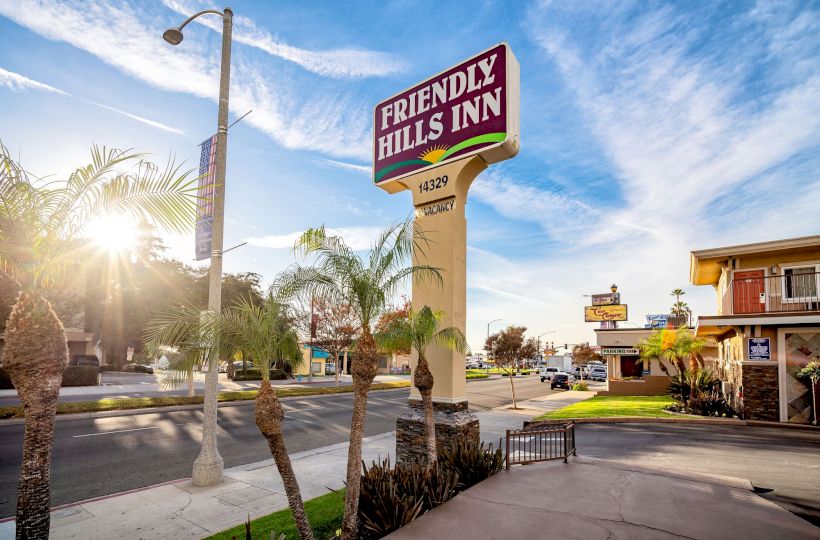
[(33, 488), (430, 424), (35, 355), (363, 369), (268, 415), (423, 380), (814, 399)]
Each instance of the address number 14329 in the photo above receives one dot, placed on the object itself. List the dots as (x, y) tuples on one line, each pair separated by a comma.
[(433, 184)]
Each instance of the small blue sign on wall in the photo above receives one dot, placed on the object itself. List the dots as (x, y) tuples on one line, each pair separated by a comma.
[(759, 348)]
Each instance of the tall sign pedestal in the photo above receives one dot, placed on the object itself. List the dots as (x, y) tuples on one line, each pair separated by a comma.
[(439, 217), (434, 139)]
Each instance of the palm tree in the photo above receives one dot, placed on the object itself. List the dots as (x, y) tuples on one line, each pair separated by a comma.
[(366, 285), (261, 332), (676, 346), (812, 371), (677, 293), (419, 331), (41, 225)]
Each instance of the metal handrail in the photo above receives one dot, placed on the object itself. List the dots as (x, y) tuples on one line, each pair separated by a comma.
[(543, 444)]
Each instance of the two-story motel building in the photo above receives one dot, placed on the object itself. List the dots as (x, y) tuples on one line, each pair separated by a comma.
[(767, 325)]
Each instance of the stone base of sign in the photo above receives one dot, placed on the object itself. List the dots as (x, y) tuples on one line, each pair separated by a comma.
[(453, 423)]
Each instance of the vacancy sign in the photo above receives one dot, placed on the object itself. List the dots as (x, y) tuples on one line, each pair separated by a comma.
[(472, 108)]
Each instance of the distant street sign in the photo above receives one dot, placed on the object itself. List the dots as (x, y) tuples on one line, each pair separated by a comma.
[(605, 313)]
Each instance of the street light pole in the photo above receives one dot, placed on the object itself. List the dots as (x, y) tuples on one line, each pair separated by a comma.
[(209, 464)]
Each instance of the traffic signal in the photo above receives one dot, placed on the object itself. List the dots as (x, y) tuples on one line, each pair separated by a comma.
[(566, 346)]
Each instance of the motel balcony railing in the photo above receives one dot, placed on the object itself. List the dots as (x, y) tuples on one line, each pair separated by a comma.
[(773, 294)]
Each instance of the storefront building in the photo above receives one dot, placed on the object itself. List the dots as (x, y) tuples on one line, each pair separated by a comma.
[(627, 375), (767, 325)]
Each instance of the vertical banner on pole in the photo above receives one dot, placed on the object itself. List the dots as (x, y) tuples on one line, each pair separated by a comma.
[(205, 198)]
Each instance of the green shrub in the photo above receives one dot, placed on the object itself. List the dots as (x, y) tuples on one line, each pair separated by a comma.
[(394, 495), (711, 403), (477, 376), (580, 387), (471, 462), (81, 376), (255, 374)]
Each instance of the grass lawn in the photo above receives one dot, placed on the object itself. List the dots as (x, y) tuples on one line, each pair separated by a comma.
[(610, 406), (324, 513)]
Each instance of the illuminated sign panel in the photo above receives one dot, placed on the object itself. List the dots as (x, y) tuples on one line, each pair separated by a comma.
[(472, 108)]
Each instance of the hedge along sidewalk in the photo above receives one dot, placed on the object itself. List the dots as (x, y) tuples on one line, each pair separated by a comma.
[(103, 405)]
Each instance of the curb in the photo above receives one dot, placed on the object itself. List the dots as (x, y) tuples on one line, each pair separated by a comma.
[(172, 408), (660, 420)]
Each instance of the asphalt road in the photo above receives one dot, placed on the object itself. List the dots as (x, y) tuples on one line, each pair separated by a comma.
[(103, 455), (782, 464)]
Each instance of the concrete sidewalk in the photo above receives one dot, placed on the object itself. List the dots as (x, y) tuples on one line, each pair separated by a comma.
[(594, 499), (180, 510)]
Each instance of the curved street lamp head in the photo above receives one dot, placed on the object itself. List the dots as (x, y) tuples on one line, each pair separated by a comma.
[(173, 36)]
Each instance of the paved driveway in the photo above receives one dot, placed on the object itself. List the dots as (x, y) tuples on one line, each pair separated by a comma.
[(785, 461), (600, 500)]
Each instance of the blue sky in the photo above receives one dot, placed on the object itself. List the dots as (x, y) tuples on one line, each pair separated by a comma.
[(648, 129)]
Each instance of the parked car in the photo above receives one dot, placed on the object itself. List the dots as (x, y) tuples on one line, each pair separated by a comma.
[(548, 372), (84, 360), (560, 380), (598, 374)]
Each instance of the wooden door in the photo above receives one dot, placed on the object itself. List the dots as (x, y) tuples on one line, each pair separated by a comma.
[(748, 288)]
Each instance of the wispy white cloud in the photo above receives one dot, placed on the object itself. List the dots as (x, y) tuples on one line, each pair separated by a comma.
[(358, 238), (347, 166), (19, 83), (16, 83), (558, 214), (702, 141), (129, 39), (338, 63), (677, 125), (146, 121)]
